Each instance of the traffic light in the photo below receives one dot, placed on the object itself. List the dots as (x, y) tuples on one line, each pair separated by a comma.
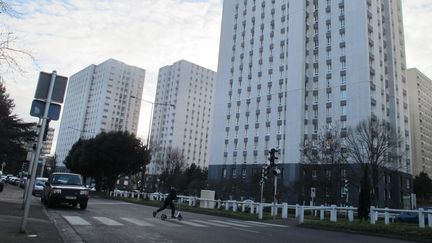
[(276, 171), (346, 186), (272, 157), (265, 173)]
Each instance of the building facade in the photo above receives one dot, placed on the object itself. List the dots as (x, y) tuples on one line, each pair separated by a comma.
[(100, 98), (420, 100), (287, 69), (182, 114)]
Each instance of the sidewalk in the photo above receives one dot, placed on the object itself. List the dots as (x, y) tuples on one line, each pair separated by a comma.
[(39, 227)]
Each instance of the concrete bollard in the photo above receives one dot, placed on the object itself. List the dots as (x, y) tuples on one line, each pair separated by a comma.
[(301, 215), (297, 210), (133, 195), (372, 215), (421, 218), (333, 213), (243, 207), (386, 217), (260, 211), (322, 212), (234, 206), (284, 210), (190, 201), (227, 205), (430, 219), (351, 214), (252, 208)]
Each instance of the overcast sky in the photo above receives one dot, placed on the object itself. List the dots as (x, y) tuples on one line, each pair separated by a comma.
[(68, 35)]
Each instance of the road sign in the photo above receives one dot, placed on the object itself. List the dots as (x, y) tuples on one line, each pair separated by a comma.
[(43, 87), (38, 107)]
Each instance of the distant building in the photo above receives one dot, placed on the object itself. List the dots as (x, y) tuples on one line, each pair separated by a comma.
[(186, 124), (47, 144), (288, 69), (420, 106), (46, 147), (98, 99)]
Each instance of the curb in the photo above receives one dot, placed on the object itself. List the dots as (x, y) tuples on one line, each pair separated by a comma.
[(66, 232)]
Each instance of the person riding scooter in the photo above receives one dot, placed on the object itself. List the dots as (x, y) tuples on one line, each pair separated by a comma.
[(168, 202)]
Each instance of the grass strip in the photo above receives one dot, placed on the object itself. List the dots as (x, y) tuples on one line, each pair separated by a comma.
[(397, 230)]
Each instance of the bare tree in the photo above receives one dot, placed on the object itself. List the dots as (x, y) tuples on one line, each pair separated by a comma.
[(10, 55), (374, 145), (326, 150)]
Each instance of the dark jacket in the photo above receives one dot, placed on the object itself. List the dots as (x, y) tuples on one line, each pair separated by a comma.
[(171, 196)]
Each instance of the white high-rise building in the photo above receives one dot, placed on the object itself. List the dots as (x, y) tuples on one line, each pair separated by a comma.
[(182, 114), (288, 68), (99, 98), (420, 107)]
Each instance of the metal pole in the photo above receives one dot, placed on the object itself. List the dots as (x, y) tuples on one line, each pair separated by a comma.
[(38, 150), (274, 197), (262, 191), (30, 169), (150, 125), (42, 167)]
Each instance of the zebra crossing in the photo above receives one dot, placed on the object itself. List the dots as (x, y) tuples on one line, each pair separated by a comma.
[(155, 222)]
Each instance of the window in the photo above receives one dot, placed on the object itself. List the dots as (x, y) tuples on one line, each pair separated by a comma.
[(314, 174), (343, 110), (343, 95)]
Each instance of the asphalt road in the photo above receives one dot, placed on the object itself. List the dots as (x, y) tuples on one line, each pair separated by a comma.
[(114, 221)]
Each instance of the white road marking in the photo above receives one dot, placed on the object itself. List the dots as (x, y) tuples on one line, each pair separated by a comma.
[(76, 220), (107, 221), (137, 222), (266, 224), (191, 224), (168, 222), (209, 223), (230, 223)]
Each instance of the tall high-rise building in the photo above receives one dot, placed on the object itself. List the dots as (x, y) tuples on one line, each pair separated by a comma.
[(289, 68), (99, 98), (182, 114), (420, 100)]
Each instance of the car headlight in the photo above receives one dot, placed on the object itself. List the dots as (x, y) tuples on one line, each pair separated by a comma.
[(85, 192), (57, 191)]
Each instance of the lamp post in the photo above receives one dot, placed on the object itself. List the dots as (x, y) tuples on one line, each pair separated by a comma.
[(149, 128), (151, 114)]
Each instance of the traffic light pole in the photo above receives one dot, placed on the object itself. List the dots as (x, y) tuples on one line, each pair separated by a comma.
[(262, 192), (274, 196)]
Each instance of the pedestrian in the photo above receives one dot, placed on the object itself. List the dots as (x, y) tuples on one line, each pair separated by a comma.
[(168, 202)]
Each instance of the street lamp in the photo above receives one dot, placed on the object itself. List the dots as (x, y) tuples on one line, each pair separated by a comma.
[(151, 113), (149, 129)]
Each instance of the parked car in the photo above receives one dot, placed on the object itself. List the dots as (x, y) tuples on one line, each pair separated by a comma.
[(65, 188), (1, 185), (409, 217), (39, 186)]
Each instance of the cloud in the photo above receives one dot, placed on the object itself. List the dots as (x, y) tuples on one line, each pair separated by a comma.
[(67, 36), (418, 37)]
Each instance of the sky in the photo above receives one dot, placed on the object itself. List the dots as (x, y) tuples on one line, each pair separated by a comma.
[(69, 35)]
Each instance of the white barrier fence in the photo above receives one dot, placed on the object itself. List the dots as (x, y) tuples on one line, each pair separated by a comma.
[(258, 208)]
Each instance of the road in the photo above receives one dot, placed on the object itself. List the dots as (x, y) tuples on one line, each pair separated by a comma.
[(114, 221)]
